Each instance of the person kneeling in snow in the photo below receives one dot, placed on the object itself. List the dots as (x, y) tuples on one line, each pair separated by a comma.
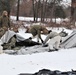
[(55, 39)]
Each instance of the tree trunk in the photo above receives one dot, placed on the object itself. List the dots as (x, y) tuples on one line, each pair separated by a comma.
[(18, 4), (46, 10), (8, 7), (37, 6), (52, 10), (33, 10), (41, 11), (73, 11)]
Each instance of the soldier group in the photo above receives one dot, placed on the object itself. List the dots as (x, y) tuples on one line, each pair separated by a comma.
[(35, 30)]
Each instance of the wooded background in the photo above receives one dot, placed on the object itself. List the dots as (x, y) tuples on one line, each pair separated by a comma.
[(37, 8)]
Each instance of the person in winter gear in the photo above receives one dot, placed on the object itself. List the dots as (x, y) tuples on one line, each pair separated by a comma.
[(4, 23), (55, 39), (36, 30)]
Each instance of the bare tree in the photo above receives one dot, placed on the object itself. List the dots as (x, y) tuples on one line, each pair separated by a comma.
[(18, 4), (73, 11), (43, 10), (33, 9)]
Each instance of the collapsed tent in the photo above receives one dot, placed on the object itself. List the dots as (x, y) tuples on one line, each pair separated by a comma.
[(18, 40), (7, 36), (69, 41), (21, 39)]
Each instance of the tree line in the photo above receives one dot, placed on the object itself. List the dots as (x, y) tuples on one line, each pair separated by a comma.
[(42, 9)]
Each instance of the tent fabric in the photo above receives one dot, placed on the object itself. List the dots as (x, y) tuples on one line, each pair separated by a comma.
[(69, 41), (5, 38), (20, 37), (8, 35)]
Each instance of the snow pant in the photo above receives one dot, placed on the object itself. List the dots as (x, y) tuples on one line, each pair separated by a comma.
[(54, 43)]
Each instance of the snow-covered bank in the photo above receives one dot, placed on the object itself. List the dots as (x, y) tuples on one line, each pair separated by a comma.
[(29, 19), (63, 60)]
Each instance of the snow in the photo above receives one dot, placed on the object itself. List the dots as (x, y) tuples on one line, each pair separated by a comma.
[(27, 35), (63, 60), (23, 18), (29, 19)]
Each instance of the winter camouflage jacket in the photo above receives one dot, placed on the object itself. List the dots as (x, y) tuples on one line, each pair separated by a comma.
[(50, 36), (4, 22), (36, 30)]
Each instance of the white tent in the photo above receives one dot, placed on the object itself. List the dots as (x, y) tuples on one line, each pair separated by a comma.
[(69, 41)]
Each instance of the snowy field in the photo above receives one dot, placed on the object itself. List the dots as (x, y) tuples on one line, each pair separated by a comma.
[(63, 60)]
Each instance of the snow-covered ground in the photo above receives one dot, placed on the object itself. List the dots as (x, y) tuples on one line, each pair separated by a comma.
[(29, 19), (63, 60)]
